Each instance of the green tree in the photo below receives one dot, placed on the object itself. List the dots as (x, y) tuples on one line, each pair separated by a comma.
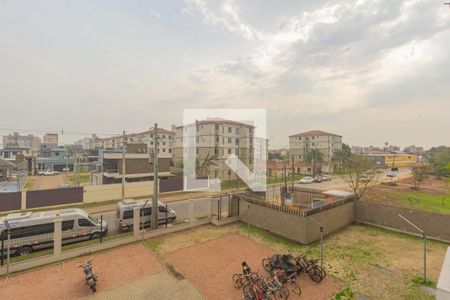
[(439, 159), (340, 157), (315, 156)]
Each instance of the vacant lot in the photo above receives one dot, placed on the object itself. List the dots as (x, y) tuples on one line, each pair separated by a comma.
[(114, 268), (433, 196), (372, 262)]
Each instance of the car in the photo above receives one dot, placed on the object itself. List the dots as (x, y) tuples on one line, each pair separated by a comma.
[(326, 177), (306, 180), (318, 179), (391, 174), (366, 177), (48, 173)]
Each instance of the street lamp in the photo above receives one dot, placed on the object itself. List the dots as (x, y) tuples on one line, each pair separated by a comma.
[(424, 246)]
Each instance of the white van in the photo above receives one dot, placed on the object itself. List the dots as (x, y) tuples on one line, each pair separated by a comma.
[(34, 231), (125, 213)]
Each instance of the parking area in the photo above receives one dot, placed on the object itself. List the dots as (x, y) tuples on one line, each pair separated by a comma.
[(115, 268), (210, 265)]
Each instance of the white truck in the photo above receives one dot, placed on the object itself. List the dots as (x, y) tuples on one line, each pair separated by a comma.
[(34, 231), (125, 213)]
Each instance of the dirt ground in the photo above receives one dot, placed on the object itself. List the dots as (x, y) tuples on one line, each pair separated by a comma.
[(114, 268), (384, 193), (210, 265), (48, 182)]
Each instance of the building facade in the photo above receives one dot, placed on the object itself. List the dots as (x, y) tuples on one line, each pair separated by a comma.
[(15, 140), (138, 166), (300, 144), (165, 141), (215, 141)]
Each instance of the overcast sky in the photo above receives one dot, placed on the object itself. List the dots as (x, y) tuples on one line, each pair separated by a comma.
[(372, 71)]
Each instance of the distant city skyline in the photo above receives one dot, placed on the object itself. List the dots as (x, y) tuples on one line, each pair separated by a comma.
[(371, 71)]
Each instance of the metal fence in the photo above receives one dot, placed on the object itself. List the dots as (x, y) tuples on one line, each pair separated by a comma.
[(25, 243)]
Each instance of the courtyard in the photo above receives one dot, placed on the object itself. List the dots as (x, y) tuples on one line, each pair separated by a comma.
[(199, 263)]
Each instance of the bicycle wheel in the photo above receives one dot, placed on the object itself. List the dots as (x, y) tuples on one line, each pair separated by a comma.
[(266, 264), (295, 288), (314, 274), (237, 281)]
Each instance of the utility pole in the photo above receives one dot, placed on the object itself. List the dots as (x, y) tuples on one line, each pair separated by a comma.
[(155, 180), (123, 165), (292, 175)]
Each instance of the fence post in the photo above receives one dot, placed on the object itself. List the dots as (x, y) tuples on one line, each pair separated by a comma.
[(229, 205), (3, 244), (191, 211), (57, 235), (167, 207), (101, 228), (136, 221), (23, 203)]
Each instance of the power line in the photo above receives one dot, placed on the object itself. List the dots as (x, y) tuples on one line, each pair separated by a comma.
[(61, 131)]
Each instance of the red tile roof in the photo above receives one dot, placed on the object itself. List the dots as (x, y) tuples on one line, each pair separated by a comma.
[(314, 133)]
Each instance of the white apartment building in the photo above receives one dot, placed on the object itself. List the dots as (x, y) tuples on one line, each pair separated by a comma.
[(217, 138), (165, 141), (301, 143)]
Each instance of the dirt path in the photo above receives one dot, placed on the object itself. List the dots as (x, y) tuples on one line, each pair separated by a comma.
[(209, 266)]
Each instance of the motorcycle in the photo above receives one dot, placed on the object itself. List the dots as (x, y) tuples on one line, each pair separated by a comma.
[(91, 279)]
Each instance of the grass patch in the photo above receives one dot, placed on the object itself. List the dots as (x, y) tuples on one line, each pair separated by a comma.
[(32, 255), (344, 294), (426, 202), (201, 217), (418, 280), (84, 178), (153, 245), (29, 185)]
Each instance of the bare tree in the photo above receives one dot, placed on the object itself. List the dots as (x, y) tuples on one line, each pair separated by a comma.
[(358, 179), (420, 173)]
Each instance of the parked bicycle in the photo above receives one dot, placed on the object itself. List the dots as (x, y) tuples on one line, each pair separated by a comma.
[(310, 267), (288, 279), (240, 279)]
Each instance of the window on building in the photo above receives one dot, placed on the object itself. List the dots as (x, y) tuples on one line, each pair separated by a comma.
[(229, 129), (170, 150), (237, 141), (216, 127), (197, 150), (237, 130), (164, 149), (229, 150), (216, 150), (217, 139), (230, 140)]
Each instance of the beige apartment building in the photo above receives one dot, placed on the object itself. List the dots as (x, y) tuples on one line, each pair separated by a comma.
[(165, 141), (50, 139), (216, 139), (301, 143)]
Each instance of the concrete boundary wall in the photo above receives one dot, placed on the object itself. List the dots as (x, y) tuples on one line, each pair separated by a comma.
[(443, 285), (108, 192), (302, 229), (436, 226)]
